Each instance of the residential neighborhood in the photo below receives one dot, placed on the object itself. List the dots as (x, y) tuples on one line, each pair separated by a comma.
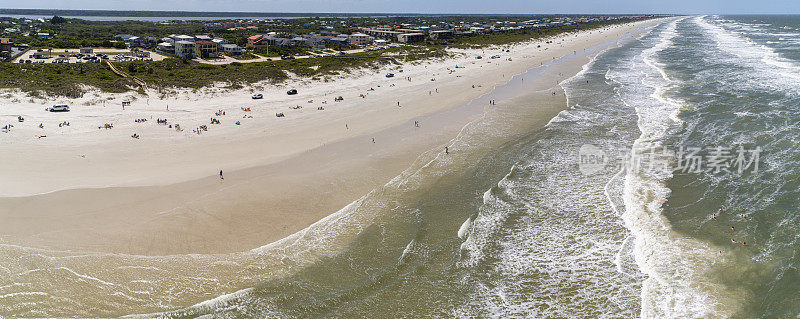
[(250, 39)]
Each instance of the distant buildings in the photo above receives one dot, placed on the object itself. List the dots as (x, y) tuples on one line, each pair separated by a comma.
[(339, 40), (441, 34), (327, 33), (198, 46), (360, 39), (5, 45), (411, 37), (382, 33)]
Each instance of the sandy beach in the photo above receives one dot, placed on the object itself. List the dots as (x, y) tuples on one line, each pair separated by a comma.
[(84, 188)]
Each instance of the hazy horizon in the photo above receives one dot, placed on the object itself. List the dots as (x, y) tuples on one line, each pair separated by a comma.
[(424, 7)]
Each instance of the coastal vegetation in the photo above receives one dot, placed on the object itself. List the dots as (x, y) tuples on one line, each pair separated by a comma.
[(62, 79), (173, 73)]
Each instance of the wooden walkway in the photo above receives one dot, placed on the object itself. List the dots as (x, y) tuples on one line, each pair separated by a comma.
[(125, 75)]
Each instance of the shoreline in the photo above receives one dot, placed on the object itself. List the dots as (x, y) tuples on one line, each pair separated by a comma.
[(309, 168)]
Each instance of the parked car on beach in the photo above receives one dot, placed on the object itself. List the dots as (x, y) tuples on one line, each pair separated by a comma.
[(258, 96), (58, 108), (291, 92)]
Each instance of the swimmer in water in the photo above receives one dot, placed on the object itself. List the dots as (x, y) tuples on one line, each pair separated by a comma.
[(745, 244), (733, 241), (733, 229)]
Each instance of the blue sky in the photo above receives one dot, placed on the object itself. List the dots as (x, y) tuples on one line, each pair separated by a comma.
[(427, 6)]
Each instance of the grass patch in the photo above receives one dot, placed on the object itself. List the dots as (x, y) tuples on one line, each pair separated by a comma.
[(62, 79), (245, 56)]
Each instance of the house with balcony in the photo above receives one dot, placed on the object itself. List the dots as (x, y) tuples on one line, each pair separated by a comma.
[(5, 45), (441, 34), (256, 41), (411, 37), (360, 39), (184, 49), (166, 47), (205, 49), (382, 33)]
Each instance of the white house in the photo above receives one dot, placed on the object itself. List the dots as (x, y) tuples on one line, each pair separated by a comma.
[(180, 37), (184, 49), (231, 48)]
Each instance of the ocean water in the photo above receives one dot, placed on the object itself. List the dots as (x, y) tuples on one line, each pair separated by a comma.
[(677, 141)]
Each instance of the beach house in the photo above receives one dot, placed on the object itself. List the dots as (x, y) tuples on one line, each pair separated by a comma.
[(382, 33), (231, 49), (203, 37), (219, 41), (5, 45), (205, 49), (256, 41), (317, 41), (411, 37), (340, 39), (184, 49), (166, 47), (441, 34), (359, 39), (181, 37)]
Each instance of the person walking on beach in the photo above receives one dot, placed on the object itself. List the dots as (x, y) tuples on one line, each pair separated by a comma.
[(220, 175), (446, 150)]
